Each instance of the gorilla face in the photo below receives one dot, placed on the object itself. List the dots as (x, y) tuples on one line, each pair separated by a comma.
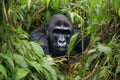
[(59, 33)]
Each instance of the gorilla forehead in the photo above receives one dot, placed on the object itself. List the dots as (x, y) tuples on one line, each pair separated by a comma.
[(60, 20)]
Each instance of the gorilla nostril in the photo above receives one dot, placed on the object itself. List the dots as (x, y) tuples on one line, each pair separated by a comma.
[(62, 41)]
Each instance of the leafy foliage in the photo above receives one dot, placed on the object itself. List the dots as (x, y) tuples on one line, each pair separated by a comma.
[(21, 59)]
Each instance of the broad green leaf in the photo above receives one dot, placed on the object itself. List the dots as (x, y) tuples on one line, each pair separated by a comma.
[(37, 49), (91, 51), (36, 65), (90, 59), (47, 75), (55, 4), (75, 17), (21, 73), (20, 60), (117, 69), (50, 70), (48, 62), (3, 71), (106, 49), (9, 60), (71, 43)]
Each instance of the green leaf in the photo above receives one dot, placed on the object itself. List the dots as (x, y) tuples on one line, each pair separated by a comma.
[(91, 51), (119, 12), (47, 75), (47, 15), (117, 69), (71, 44), (3, 71), (50, 70), (72, 16), (48, 1), (4, 47), (9, 60), (37, 49), (21, 73), (35, 65), (20, 60), (76, 18), (34, 77), (29, 2), (105, 49), (90, 59), (55, 4)]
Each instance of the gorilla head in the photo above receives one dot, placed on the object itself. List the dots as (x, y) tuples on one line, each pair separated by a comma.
[(59, 31)]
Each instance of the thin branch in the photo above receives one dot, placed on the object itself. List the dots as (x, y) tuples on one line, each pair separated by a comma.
[(4, 9)]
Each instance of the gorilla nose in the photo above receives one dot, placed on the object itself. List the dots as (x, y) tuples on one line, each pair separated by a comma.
[(62, 42)]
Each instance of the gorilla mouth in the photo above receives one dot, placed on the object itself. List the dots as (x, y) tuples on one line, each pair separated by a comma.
[(61, 48)]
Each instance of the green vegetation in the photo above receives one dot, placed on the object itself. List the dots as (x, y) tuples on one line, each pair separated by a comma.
[(24, 60)]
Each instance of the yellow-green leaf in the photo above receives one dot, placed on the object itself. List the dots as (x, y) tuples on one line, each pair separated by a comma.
[(21, 73), (71, 43)]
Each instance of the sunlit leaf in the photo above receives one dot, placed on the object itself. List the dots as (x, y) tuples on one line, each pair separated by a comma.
[(29, 2), (50, 70), (48, 1), (36, 65), (21, 73), (106, 49), (71, 43), (76, 18), (9, 60), (37, 49), (72, 17), (20, 60), (3, 71), (55, 4), (91, 51), (119, 12)]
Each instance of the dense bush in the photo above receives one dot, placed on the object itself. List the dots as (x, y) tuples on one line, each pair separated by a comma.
[(21, 59)]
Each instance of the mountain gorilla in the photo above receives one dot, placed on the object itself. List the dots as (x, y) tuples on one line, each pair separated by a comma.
[(56, 35)]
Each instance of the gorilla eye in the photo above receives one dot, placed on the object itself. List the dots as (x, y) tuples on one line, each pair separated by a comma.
[(61, 31)]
